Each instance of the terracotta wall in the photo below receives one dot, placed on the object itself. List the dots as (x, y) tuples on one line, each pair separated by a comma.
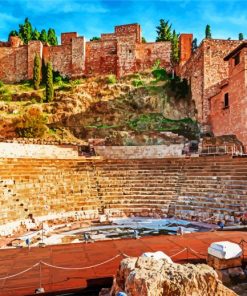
[(13, 63), (231, 120), (205, 69)]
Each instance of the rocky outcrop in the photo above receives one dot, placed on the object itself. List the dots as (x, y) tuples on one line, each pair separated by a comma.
[(150, 277)]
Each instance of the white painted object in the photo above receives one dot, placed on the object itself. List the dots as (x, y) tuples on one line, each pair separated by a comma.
[(225, 250), (157, 255)]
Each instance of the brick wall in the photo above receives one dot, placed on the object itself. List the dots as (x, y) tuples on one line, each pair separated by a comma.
[(148, 53), (232, 119), (13, 63), (205, 69), (116, 53)]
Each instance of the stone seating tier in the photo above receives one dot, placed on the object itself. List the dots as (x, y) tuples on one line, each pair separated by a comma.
[(196, 188)]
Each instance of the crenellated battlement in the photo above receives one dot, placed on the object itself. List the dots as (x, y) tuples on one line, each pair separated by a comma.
[(119, 53)]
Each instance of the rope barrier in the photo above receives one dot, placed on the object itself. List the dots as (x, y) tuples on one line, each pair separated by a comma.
[(21, 272), (96, 265), (178, 253), (80, 268)]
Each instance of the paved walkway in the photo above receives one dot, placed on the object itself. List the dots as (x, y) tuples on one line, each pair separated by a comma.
[(13, 261)]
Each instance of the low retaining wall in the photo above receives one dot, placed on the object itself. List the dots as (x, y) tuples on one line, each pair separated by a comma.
[(18, 150), (139, 152)]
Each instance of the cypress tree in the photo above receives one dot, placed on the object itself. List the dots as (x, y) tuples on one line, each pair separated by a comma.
[(51, 37), (164, 31), (240, 36), (49, 83), (208, 34), (36, 72), (175, 47), (26, 31), (43, 36), (13, 33), (35, 35), (194, 44)]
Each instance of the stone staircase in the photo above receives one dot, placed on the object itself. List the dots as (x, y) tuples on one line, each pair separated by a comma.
[(49, 189)]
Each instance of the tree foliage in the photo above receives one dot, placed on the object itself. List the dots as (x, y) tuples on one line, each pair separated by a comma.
[(95, 38), (144, 40), (35, 34), (36, 72), (175, 47), (27, 33), (51, 37), (32, 124), (13, 33), (49, 83), (240, 36), (164, 31), (43, 36), (208, 34), (194, 44)]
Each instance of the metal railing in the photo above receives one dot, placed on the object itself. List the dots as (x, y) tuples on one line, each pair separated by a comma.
[(233, 150)]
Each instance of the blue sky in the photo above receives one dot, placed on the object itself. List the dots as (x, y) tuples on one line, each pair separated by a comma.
[(90, 18)]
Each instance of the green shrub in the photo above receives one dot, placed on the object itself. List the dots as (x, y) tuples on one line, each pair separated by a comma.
[(137, 82), (1, 84), (160, 74), (32, 124), (111, 79)]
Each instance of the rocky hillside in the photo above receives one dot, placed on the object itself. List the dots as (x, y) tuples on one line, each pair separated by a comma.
[(138, 109)]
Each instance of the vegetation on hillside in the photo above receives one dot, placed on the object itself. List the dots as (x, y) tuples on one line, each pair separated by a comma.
[(27, 33), (136, 109)]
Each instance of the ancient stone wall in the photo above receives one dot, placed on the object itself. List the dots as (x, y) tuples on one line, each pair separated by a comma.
[(148, 53), (13, 63), (116, 53), (60, 56), (231, 119), (207, 68), (101, 57)]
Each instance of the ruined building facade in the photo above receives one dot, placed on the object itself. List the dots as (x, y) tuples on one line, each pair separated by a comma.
[(119, 53)]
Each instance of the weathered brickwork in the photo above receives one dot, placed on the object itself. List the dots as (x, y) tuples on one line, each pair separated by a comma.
[(229, 117), (119, 53), (205, 69), (13, 61)]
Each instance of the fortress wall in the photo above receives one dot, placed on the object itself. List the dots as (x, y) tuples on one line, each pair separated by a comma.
[(13, 63), (193, 71), (200, 188), (205, 69), (101, 57), (148, 53), (61, 58)]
